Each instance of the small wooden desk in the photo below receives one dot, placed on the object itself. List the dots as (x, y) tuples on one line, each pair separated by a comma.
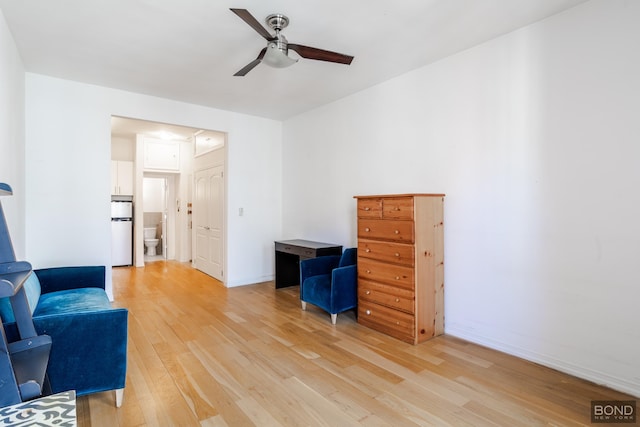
[(55, 410), (290, 252)]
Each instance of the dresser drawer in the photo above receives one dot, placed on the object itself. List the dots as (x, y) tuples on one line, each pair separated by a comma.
[(396, 275), (390, 296), (370, 208), (397, 208), (387, 320), (400, 231), (397, 253)]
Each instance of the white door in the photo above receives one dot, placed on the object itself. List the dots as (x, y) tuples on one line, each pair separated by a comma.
[(208, 208)]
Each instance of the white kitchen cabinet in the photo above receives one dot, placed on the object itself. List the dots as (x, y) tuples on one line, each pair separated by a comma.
[(161, 155), (121, 178)]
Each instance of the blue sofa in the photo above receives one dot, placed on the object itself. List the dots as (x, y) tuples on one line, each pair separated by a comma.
[(89, 337)]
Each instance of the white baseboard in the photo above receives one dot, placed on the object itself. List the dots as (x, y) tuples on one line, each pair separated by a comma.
[(601, 378), (249, 281)]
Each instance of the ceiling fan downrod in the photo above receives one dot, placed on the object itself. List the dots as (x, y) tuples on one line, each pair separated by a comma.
[(278, 22)]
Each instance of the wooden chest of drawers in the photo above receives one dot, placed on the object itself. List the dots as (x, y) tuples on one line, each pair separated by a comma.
[(401, 265)]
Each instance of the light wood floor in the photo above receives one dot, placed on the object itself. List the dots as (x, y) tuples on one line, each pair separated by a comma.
[(201, 354)]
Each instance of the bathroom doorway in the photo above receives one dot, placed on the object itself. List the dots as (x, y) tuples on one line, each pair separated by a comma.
[(155, 195)]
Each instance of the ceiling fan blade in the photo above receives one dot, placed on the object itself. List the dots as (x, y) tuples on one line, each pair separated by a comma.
[(253, 23), (320, 54), (251, 65)]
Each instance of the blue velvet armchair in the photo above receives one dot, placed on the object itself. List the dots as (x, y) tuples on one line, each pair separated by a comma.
[(89, 337), (330, 282)]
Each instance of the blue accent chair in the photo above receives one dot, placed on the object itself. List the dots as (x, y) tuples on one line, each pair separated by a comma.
[(330, 282), (88, 336)]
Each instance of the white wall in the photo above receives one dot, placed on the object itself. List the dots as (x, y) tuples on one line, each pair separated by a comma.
[(256, 168), (68, 138), (535, 139), (12, 137)]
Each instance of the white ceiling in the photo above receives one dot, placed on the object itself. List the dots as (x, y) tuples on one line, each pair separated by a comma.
[(125, 128), (188, 50)]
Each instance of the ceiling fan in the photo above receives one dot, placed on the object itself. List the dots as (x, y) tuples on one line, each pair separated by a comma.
[(275, 54)]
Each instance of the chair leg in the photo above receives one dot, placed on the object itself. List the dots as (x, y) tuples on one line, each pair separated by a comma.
[(304, 304), (334, 317), (119, 397)]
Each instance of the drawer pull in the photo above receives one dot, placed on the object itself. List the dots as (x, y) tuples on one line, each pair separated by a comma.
[(397, 299), (397, 277), (397, 231), (367, 209), (367, 250), (368, 312), (397, 323), (367, 229), (368, 271), (367, 292), (397, 255)]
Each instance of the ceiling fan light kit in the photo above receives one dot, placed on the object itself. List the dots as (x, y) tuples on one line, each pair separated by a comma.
[(276, 52), (277, 58)]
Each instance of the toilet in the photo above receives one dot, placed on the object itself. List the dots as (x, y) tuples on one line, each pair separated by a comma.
[(150, 241)]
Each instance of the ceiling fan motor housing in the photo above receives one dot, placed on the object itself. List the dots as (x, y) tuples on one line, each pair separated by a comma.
[(279, 43)]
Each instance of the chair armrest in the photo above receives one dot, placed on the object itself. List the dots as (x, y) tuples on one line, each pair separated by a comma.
[(89, 350), (316, 266), (63, 278), (345, 278), (344, 288)]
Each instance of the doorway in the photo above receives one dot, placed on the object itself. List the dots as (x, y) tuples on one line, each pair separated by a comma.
[(200, 149), (155, 216)]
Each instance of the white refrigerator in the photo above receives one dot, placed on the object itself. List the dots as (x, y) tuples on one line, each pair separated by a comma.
[(121, 232)]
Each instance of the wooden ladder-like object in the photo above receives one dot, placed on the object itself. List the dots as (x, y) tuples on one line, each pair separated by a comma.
[(23, 363)]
